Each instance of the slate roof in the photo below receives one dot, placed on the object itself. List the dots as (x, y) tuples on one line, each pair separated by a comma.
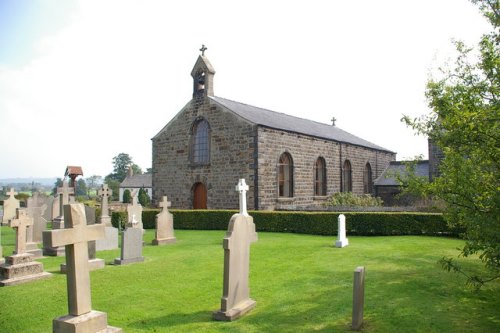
[(138, 181), (282, 121), (387, 177)]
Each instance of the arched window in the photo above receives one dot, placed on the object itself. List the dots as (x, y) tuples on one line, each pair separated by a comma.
[(285, 177), (320, 177), (367, 179), (347, 177), (200, 149)]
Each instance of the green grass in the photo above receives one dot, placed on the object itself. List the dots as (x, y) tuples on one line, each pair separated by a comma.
[(301, 284)]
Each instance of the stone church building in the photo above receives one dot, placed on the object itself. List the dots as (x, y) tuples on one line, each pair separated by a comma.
[(288, 162)]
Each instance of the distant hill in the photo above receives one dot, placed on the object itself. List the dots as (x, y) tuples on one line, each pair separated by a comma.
[(42, 181)]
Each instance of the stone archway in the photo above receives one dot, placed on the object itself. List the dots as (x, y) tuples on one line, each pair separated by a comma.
[(199, 196)]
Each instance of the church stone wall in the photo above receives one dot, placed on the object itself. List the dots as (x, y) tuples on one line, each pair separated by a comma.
[(232, 150)]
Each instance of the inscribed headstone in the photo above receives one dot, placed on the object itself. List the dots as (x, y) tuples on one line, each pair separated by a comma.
[(131, 250), (20, 267), (236, 300), (341, 234), (75, 237), (164, 225), (9, 207)]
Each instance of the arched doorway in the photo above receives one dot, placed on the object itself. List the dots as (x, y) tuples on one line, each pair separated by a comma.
[(199, 196)]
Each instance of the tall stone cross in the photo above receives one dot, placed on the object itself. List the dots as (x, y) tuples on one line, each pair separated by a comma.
[(11, 193), (64, 193), (203, 49), (21, 223), (242, 188), (104, 192), (164, 203), (75, 236)]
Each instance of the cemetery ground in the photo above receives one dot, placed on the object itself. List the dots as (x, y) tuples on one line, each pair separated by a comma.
[(301, 283)]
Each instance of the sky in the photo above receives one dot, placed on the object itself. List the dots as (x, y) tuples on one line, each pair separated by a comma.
[(83, 81)]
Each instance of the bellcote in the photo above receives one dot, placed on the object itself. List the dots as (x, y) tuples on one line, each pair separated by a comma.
[(203, 76)]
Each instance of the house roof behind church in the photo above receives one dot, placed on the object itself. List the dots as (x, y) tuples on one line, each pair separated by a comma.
[(138, 181), (290, 123), (388, 176)]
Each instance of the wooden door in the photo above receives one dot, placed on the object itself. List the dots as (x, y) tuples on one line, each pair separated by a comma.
[(200, 196)]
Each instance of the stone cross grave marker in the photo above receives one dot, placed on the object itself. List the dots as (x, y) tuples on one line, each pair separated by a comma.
[(135, 209), (235, 301), (9, 206), (75, 237), (358, 298), (63, 193), (105, 192), (164, 225), (242, 188), (21, 224), (110, 240), (342, 240)]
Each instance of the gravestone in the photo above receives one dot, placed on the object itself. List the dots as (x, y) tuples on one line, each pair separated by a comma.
[(358, 298), (236, 300), (9, 207), (20, 267), (94, 263), (2, 260), (341, 235), (110, 240), (41, 200), (63, 193), (75, 237), (39, 221), (131, 250), (164, 225), (134, 209), (31, 245)]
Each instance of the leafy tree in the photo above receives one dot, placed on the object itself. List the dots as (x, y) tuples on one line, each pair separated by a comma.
[(121, 164), (464, 124), (93, 183), (114, 185), (127, 196), (57, 184), (81, 188), (143, 198)]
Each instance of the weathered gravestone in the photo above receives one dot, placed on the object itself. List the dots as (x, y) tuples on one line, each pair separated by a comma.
[(341, 234), (135, 209), (164, 225), (75, 237), (31, 245), (20, 267), (41, 200), (94, 263), (39, 221), (58, 223), (235, 300), (9, 207), (131, 250), (358, 298), (110, 240)]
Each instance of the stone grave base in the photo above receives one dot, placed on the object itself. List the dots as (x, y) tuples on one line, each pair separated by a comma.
[(110, 240), (235, 312), (20, 268), (94, 264), (92, 322), (34, 250), (164, 241), (54, 251), (341, 243), (119, 261)]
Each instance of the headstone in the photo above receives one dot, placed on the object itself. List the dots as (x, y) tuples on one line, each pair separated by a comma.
[(20, 267), (64, 193), (110, 240), (164, 225), (31, 245), (341, 236), (358, 298), (75, 237), (135, 209), (39, 221), (9, 207), (41, 200), (236, 300), (2, 260), (131, 250), (94, 263)]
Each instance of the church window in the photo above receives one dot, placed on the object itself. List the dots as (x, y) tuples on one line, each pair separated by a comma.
[(201, 142), (347, 177), (320, 177), (285, 177), (367, 179)]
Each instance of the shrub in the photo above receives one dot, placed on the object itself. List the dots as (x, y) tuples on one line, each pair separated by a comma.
[(127, 197), (349, 199)]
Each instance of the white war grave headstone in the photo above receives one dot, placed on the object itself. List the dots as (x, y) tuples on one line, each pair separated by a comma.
[(75, 237), (342, 240), (164, 225), (235, 301), (64, 193), (110, 240), (20, 267), (134, 209), (131, 250), (9, 207)]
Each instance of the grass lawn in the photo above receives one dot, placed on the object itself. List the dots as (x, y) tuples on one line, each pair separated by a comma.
[(301, 284)]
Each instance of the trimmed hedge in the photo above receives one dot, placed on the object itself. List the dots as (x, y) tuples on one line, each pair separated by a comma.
[(316, 223)]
